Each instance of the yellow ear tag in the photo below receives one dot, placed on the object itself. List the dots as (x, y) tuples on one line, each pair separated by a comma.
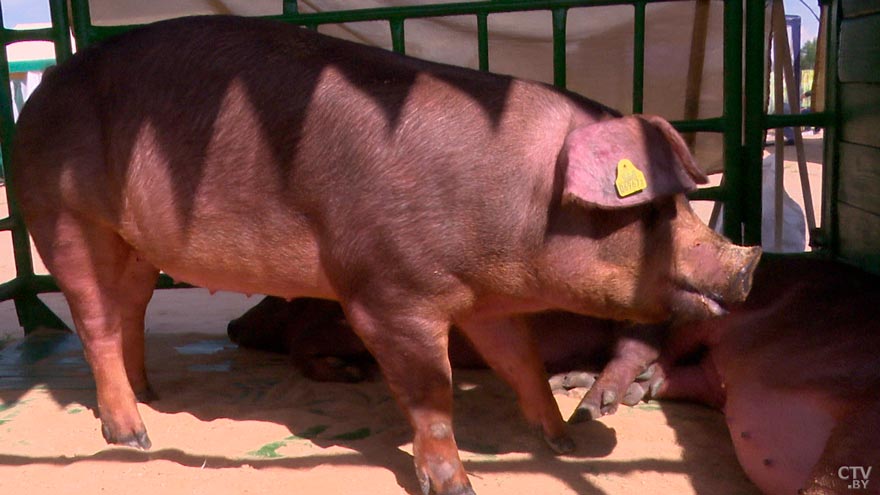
[(630, 180)]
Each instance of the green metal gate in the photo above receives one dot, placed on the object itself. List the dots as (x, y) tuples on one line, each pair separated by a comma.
[(742, 122)]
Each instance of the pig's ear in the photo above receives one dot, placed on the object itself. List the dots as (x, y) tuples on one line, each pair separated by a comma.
[(627, 161)]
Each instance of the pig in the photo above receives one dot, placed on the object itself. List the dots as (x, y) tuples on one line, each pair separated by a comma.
[(254, 156), (796, 370), (611, 359)]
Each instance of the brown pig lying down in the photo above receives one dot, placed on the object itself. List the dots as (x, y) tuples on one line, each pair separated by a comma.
[(254, 156), (796, 368)]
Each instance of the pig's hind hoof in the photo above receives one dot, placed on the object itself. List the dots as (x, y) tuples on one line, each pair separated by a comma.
[(138, 440), (562, 444)]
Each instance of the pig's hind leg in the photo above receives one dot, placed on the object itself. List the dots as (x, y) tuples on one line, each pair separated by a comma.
[(411, 349), (508, 347), (107, 286)]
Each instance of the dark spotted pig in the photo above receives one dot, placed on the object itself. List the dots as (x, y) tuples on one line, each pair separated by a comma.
[(796, 370), (254, 156)]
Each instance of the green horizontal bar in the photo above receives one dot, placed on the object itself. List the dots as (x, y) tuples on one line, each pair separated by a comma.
[(98, 33), (775, 121), (46, 283), (449, 9), (7, 223), (407, 12), (715, 193), (715, 124), (42, 283), (30, 65), (15, 35), (10, 289)]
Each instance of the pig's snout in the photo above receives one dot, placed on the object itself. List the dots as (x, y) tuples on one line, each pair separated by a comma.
[(719, 278), (742, 283)]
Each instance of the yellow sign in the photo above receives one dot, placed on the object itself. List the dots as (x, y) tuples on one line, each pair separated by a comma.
[(630, 180)]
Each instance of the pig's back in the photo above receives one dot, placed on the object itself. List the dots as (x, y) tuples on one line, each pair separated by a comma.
[(247, 134)]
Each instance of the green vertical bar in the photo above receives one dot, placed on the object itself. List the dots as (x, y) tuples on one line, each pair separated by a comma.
[(559, 17), (639, 57), (82, 23), (483, 40), (20, 243), (734, 192), (745, 210), (32, 313), (831, 173), (398, 44), (289, 7), (60, 30)]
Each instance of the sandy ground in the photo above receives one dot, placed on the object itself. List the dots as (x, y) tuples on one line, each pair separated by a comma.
[(235, 421)]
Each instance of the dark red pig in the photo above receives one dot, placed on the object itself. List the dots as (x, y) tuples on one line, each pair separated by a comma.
[(579, 351), (254, 156), (796, 370)]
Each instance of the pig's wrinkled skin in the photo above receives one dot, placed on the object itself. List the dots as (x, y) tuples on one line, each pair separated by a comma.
[(253, 156), (796, 370)]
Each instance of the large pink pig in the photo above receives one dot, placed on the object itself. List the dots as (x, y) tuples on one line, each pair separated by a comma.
[(254, 156)]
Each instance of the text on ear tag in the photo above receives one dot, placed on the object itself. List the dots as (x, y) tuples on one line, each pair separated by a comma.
[(630, 180)]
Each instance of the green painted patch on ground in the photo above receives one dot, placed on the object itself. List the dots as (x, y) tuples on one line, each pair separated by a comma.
[(268, 451), (649, 406)]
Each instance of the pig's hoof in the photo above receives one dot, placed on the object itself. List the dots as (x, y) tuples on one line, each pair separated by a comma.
[(574, 379), (654, 391), (454, 489), (562, 444), (138, 440), (585, 412), (609, 399), (634, 394), (647, 374)]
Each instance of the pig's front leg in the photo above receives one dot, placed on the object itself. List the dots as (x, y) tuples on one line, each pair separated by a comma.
[(635, 350), (411, 349), (508, 347)]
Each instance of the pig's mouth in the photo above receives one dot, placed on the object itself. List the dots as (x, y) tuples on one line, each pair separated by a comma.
[(692, 303)]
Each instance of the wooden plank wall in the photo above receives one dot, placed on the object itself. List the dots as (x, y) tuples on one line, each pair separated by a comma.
[(858, 193)]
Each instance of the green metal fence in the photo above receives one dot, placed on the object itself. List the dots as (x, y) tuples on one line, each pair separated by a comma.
[(742, 121)]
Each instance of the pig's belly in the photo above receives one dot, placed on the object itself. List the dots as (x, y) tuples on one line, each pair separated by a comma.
[(778, 435), (282, 261)]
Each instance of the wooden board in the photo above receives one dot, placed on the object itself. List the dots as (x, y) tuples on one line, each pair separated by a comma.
[(859, 237), (859, 54), (852, 8), (860, 108), (860, 177)]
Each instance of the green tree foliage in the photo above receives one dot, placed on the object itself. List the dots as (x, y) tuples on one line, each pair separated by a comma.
[(808, 54)]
